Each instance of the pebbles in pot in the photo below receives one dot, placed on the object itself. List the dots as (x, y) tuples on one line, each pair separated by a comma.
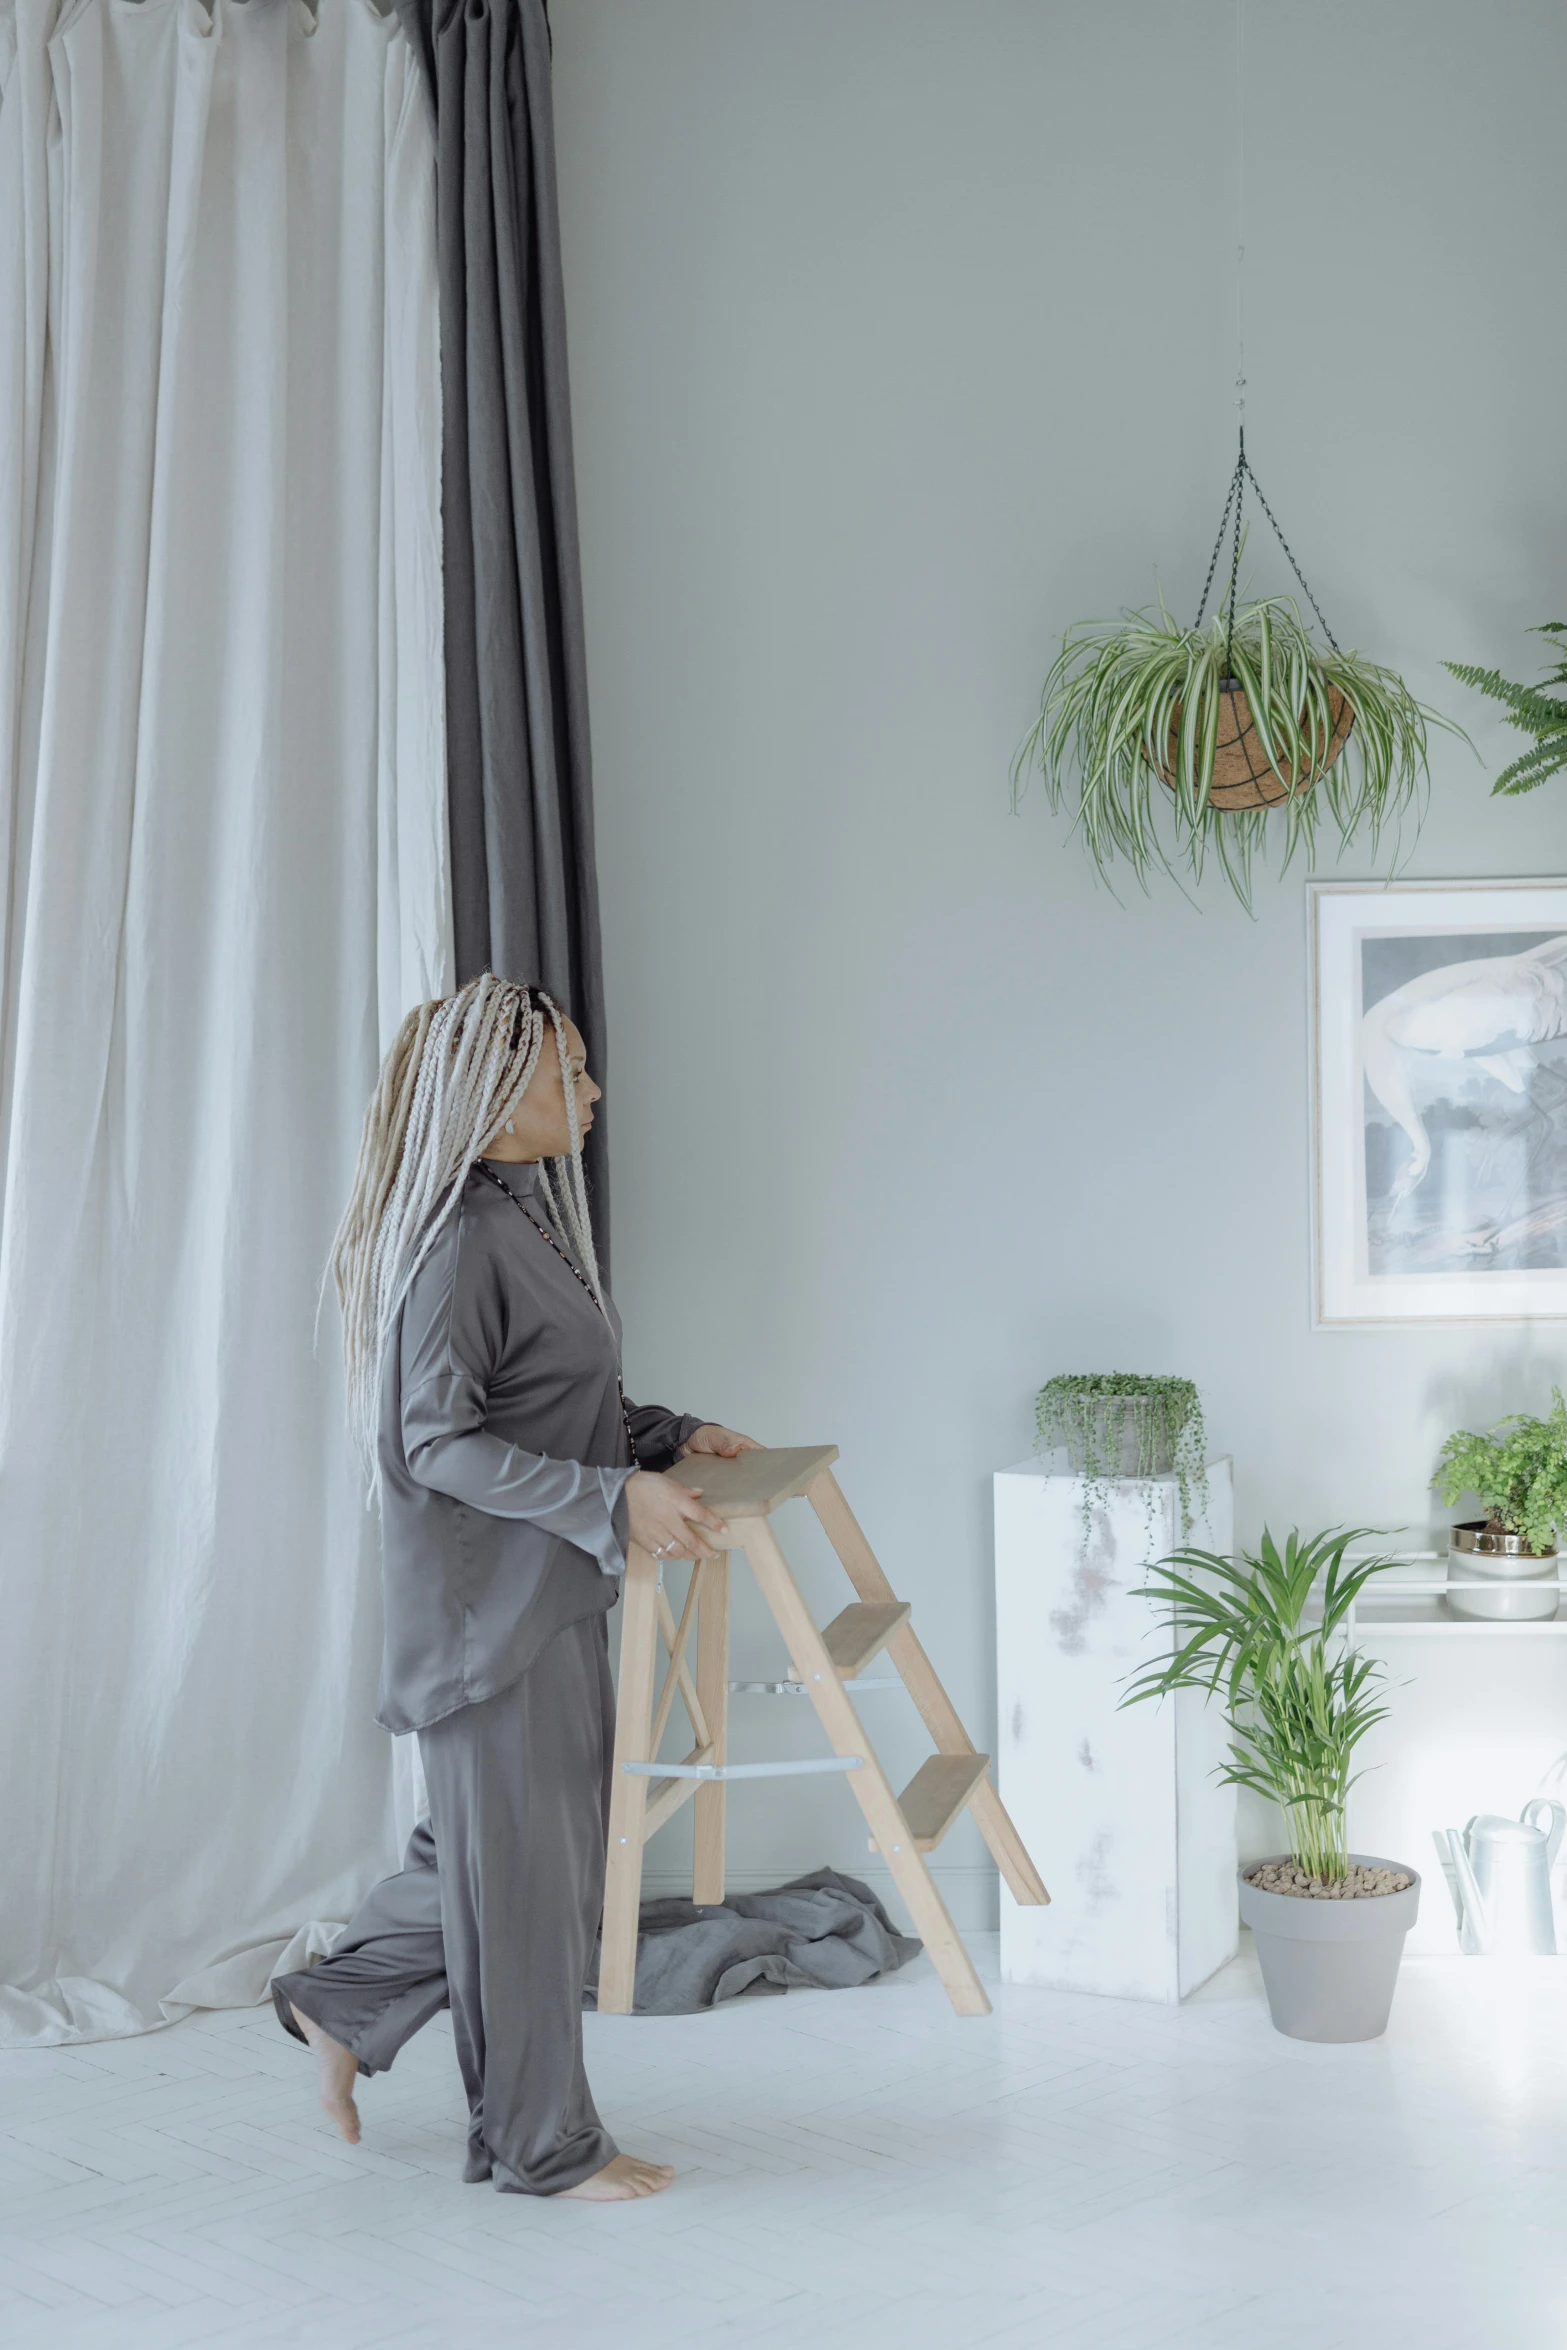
[(1360, 1884)]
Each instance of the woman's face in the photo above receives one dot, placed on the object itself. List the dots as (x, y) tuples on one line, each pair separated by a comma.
[(542, 1131)]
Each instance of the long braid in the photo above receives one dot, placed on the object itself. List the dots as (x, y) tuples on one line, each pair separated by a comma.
[(456, 1070)]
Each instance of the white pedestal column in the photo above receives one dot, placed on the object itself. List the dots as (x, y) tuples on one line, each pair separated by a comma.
[(1133, 1834)]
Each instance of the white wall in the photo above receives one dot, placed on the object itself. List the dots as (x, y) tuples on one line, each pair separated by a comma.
[(902, 335)]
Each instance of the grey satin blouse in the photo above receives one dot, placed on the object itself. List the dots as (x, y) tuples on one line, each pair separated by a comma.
[(503, 1458)]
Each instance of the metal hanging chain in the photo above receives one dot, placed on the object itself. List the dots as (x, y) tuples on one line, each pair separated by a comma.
[(1213, 559), (1235, 558), (545, 1233), (1232, 504), (1284, 543)]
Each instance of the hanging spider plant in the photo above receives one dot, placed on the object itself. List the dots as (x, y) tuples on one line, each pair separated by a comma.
[(1184, 740)]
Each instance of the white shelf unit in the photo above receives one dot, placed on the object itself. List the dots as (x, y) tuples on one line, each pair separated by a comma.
[(1470, 1726), (1411, 1598)]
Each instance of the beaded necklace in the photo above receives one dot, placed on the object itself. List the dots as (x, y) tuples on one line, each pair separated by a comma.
[(545, 1233)]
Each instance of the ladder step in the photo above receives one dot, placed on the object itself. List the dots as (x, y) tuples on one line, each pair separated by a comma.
[(753, 1484), (855, 1637), (762, 1770), (937, 1793)]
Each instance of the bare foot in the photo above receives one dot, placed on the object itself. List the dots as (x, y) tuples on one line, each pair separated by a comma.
[(337, 2069), (622, 2180)]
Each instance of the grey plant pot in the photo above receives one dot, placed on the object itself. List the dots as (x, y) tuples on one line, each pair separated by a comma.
[(1330, 1967), (1117, 1447)]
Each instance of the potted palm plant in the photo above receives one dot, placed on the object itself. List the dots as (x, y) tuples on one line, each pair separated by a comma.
[(1183, 740), (1329, 1923), (1517, 1471)]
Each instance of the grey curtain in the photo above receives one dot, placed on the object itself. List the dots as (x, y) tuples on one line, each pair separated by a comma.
[(518, 774)]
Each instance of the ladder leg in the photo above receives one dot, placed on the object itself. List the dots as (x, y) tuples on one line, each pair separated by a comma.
[(712, 1684), (936, 1708), (678, 1666), (847, 1735), (628, 1794)]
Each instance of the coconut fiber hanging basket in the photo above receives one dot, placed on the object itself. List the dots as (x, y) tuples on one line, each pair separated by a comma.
[(1243, 774)]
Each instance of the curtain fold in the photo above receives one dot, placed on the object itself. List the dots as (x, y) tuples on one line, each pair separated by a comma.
[(223, 826), (525, 893)]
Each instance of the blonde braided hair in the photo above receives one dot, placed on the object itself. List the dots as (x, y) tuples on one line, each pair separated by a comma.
[(456, 1070)]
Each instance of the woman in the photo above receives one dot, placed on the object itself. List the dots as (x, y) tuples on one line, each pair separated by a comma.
[(484, 1392)]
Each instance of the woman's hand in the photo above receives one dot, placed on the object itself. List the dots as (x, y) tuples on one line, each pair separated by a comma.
[(711, 1438), (667, 1518)]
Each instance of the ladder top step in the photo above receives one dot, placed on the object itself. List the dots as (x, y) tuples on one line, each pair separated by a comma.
[(853, 1638), (937, 1793), (754, 1483)]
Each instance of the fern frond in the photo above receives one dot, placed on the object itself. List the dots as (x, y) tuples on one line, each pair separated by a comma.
[(1533, 769), (1535, 712)]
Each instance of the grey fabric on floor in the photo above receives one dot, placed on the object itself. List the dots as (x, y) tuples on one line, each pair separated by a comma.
[(823, 1930)]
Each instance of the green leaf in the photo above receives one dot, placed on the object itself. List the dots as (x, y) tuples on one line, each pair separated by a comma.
[(1529, 708), (1534, 768)]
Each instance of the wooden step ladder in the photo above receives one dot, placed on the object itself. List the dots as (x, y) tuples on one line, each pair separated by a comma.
[(826, 1664)]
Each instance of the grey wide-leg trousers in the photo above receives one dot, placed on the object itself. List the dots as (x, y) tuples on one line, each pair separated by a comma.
[(494, 1913)]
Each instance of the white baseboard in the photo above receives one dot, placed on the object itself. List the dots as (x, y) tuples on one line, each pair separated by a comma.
[(969, 1889)]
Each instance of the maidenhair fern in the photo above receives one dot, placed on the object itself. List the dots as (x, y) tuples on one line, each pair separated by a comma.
[(1517, 1470)]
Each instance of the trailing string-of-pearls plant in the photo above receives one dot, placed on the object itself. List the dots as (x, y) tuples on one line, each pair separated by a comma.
[(1091, 1413)]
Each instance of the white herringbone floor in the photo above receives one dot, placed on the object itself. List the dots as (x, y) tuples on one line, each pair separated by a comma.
[(857, 2169)]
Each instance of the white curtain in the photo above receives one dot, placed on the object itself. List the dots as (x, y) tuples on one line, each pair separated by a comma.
[(224, 867)]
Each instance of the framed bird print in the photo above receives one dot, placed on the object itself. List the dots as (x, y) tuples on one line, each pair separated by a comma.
[(1439, 1086)]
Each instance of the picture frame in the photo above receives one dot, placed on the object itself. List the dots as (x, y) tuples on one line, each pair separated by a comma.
[(1439, 1100)]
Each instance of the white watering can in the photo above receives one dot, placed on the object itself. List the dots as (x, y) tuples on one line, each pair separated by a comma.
[(1499, 1874)]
